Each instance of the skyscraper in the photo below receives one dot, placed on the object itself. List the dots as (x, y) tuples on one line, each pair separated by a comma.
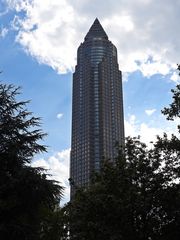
[(97, 111)]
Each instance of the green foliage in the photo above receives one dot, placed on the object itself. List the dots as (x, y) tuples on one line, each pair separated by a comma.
[(26, 193), (138, 197), (174, 108), (173, 111), (55, 225)]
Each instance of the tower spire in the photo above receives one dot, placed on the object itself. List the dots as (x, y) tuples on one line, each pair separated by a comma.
[(96, 31)]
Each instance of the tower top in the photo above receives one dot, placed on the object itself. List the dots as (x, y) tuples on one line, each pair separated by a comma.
[(96, 31)]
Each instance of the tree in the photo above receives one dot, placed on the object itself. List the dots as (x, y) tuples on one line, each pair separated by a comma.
[(173, 111), (137, 198), (55, 225), (26, 193)]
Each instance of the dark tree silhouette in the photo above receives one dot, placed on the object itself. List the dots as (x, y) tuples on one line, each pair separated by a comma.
[(137, 198), (26, 193), (173, 111)]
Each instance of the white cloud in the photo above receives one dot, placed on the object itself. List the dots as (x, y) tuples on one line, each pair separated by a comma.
[(3, 8), (48, 32), (123, 23), (3, 32), (2, 13), (125, 76), (150, 68), (51, 31), (130, 126), (175, 77), (148, 134), (149, 112), (58, 166), (60, 115)]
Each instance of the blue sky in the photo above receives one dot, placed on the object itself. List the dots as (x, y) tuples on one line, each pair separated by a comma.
[(38, 43)]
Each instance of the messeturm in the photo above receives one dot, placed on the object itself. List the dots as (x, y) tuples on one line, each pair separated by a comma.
[(97, 109)]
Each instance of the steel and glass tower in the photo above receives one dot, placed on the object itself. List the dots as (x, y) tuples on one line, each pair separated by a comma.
[(97, 111)]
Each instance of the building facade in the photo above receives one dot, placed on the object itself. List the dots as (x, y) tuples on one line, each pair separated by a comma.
[(97, 110)]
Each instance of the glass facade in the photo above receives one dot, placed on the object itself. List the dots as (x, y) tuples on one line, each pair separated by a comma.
[(97, 111)]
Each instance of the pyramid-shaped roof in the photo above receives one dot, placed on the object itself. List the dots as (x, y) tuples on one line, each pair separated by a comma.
[(96, 31)]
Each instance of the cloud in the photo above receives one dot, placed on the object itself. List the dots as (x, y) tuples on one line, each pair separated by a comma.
[(60, 115), (3, 32), (130, 127), (150, 68), (58, 166), (149, 112), (3, 8), (48, 32), (147, 133), (175, 77), (2, 13), (51, 31)]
